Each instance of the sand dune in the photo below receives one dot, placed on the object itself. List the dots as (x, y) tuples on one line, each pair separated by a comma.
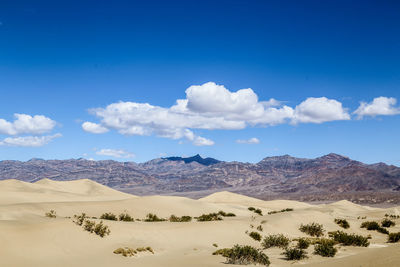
[(45, 190), (35, 240)]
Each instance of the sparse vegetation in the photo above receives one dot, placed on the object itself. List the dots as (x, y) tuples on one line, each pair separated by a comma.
[(243, 255), (325, 248), (349, 239), (255, 235), (79, 219), (279, 211), (224, 214), (89, 226), (143, 249), (153, 218), (215, 245), (209, 217), (174, 218), (99, 229), (392, 216), (125, 217), (126, 252), (303, 243), (258, 211), (312, 229), (130, 252), (342, 223), (387, 223), (109, 216), (394, 237), (372, 225), (279, 240), (260, 228), (294, 254), (51, 214)]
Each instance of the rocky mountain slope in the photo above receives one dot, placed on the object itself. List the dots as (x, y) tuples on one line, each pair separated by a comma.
[(330, 174)]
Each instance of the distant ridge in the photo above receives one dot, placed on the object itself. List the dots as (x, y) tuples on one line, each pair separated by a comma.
[(329, 177), (197, 158)]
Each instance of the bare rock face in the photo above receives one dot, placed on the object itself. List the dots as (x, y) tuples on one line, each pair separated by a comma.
[(330, 174)]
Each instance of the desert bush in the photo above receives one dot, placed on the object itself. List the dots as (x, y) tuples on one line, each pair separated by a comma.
[(224, 214), (101, 230), (279, 211), (153, 218), (342, 223), (126, 252), (294, 254), (392, 216), (394, 237), (89, 226), (125, 217), (222, 251), (79, 219), (325, 248), (259, 212), (255, 235), (51, 214), (251, 209), (303, 243), (279, 240), (387, 223), (312, 229), (263, 221), (174, 218), (209, 217), (108, 216), (143, 249), (372, 225), (260, 228), (243, 255), (349, 239), (215, 245)]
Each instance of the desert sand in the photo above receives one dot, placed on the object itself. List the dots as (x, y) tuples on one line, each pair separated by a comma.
[(29, 238)]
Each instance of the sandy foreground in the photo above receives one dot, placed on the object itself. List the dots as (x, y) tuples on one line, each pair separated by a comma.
[(28, 238)]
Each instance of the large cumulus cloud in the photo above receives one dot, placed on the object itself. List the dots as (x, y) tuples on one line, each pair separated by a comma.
[(210, 107)]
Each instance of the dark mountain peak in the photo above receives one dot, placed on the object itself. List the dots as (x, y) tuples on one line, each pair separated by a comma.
[(196, 158)]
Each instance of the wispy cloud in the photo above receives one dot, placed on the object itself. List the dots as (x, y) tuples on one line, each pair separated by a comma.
[(116, 153), (29, 141), (250, 141)]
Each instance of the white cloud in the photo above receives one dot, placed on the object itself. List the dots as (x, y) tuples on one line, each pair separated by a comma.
[(26, 124), (210, 106), (201, 141), (379, 106), (116, 153), (93, 128), (318, 110), (29, 141), (250, 141)]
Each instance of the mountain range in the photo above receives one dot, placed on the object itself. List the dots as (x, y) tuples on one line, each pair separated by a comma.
[(324, 178)]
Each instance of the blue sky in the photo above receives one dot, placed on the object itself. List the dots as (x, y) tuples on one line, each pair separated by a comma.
[(66, 62)]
